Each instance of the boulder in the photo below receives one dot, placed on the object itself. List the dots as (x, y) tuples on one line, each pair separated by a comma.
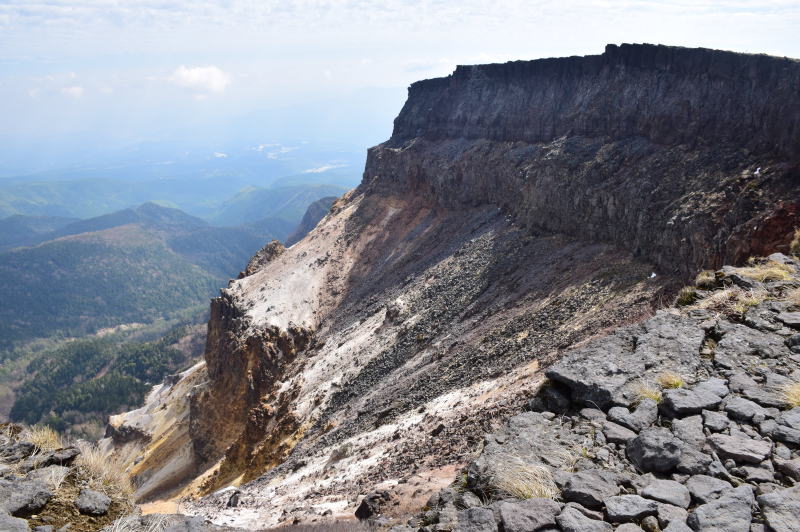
[(681, 402), (718, 387), (690, 430), (715, 421), (655, 450), (743, 409), (571, 520), (590, 488), (476, 520), (740, 449), (792, 319), (92, 502), (371, 505), (677, 526), (23, 497), (704, 488), (693, 462), (668, 513), (528, 515), (645, 414), (628, 527), (790, 418), (781, 509), (629, 508), (12, 524), (790, 468), (729, 513), (617, 433), (667, 491)]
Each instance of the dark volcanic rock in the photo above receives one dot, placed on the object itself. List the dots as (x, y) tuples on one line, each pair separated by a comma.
[(685, 402), (571, 520), (626, 508), (23, 497), (655, 449), (371, 505), (590, 488), (530, 514), (728, 513), (740, 449), (548, 117), (604, 371), (781, 509), (13, 524), (92, 502), (476, 520)]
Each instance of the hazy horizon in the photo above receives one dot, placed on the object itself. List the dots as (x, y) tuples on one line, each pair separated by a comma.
[(84, 79)]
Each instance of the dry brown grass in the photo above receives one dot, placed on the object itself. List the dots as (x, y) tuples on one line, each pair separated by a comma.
[(42, 437), (791, 394), (103, 473), (132, 523), (793, 296), (706, 280), (643, 391), (767, 271), (686, 296), (55, 478), (794, 246), (732, 301), (524, 481), (669, 380)]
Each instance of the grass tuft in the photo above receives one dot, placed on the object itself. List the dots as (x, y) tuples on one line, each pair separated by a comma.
[(517, 478), (55, 478), (732, 301), (686, 296), (645, 391), (669, 380), (791, 394), (42, 437), (706, 280), (768, 271), (103, 473)]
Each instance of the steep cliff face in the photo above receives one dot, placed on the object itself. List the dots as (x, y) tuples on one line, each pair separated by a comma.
[(517, 210), (679, 155)]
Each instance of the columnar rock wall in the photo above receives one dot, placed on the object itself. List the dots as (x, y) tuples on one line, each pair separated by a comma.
[(680, 155)]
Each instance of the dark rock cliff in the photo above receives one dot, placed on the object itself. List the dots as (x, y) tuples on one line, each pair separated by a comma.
[(680, 155)]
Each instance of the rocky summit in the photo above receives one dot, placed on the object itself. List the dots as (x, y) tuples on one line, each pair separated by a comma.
[(481, 335)]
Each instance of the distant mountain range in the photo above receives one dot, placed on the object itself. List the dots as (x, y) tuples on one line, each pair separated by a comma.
[(134, 265)]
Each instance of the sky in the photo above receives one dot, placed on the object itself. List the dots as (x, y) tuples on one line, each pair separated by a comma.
[(151, 69)]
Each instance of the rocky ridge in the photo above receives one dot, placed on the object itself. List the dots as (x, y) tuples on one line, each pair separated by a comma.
[(518, 210), (687, 421)]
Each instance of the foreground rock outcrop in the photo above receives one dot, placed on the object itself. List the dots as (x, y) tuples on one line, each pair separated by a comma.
[(47, 484), (687, 421), (518, 211)]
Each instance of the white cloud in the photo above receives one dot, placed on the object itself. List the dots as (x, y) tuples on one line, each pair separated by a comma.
[(323, 168), (201, 79), (219, 155), (72, 92), (34, 92)]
